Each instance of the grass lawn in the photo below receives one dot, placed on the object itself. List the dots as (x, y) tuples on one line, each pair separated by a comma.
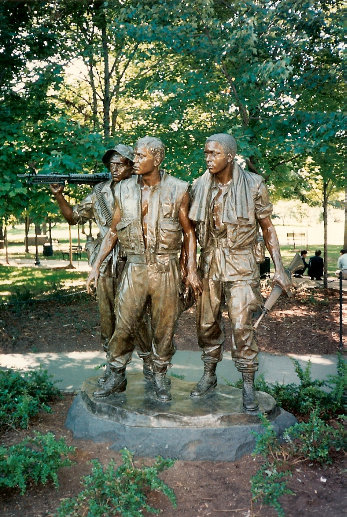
[(30, 281)]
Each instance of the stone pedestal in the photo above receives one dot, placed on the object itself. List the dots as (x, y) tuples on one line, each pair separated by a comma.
[(211, 428)]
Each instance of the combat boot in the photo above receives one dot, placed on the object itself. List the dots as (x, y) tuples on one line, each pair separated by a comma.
[(250, 403), (160, 384), (115, 383), (147, 368), (207, 382), (105, 375)]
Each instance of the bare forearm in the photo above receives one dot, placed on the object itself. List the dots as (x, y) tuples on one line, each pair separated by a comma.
[(108, 243), (65, 207), (272, 245), (190, 250)]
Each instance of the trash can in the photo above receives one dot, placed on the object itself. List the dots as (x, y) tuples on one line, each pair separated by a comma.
[(47, 250)]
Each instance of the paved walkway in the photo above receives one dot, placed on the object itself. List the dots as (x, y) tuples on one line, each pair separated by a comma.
[(70, 370)]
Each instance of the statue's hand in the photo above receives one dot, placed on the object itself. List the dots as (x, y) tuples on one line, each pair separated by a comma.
[(92, 280), (194, 281), (56, 188), (283, 280)]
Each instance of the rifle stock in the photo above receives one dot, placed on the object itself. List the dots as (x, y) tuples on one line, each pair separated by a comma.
[(61, 179), (276, 292)]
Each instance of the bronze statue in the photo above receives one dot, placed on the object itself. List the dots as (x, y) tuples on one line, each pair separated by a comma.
[(150, 215), (228, 206), (98, 205)]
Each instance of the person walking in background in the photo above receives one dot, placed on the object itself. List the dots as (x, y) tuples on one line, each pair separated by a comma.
[(315, 266), (299, 273)]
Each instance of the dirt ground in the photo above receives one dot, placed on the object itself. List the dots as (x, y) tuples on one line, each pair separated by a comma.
[(306, 323)]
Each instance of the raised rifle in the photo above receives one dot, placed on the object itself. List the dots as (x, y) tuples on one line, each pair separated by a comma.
[(61, 179), (276, 292)]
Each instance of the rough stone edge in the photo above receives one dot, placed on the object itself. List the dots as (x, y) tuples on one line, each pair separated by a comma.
[(212, 444)]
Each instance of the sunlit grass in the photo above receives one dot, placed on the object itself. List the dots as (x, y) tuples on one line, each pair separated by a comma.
[(37, 281)]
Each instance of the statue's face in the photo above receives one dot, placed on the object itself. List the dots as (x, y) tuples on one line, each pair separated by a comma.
[(144, 160), (120, 168), (216, 158)]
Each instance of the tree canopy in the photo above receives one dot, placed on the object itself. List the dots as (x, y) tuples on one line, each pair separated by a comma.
[(77, 76)]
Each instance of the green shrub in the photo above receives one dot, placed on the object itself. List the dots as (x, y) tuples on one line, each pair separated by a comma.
[(118, 491), (312, 440), (268, 485), (23, 395), (36, 459), (315, 439), (325, 396)]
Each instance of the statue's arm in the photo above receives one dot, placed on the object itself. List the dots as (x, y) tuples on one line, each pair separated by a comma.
[(64, 205), (189, 243), (108, 243), (272, 244)]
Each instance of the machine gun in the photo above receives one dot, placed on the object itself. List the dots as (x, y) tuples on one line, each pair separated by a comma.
[(61, 179), (276, 292)]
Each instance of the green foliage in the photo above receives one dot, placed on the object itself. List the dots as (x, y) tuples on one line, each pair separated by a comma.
[(24, 395), (36, 459), (270, 481), (268, 485), (315, 439), (118, 491), (312, 440), (325, 396)]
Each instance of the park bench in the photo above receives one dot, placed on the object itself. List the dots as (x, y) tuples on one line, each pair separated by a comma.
[(296, 238), (76, 253)]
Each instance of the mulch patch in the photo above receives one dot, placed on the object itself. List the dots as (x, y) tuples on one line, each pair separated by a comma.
[(306, 323)]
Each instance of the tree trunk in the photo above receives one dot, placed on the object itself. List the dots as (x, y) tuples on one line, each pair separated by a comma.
[(6, 245), (345, 236), (27, 228), (50, 232), (94, 94), (325, 221), (107, 99), (37, 259)]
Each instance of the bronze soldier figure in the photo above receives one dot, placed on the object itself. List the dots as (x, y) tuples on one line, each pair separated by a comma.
[(228, 206), (98, 205), (151, 212)]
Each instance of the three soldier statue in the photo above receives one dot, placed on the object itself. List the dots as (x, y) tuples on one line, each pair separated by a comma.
[(146, 255)]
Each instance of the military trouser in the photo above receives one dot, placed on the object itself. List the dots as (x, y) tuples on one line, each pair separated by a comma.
[(106, 294), (156, 282), (242, 298)]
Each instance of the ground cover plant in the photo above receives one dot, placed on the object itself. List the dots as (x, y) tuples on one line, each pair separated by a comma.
[(24, 395), (36, 460), (118, 490)]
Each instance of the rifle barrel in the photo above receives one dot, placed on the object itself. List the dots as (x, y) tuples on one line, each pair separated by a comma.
[(78, 179)]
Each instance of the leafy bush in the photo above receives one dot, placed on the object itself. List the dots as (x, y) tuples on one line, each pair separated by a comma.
[(312, 440), (310, 394), (36, 459), (268, 485), (315, 439), (23, 395), (118, 491)]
